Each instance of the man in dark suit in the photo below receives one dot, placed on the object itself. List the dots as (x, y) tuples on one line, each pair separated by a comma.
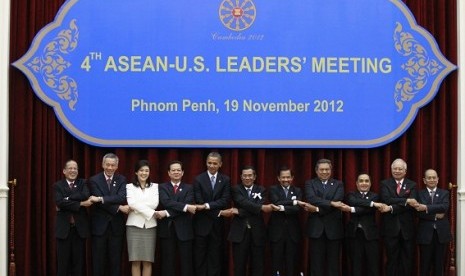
[(284, 229), (324, 226), (175, 230), (248, 231), (361, 231), (399, 193), (212, 194), (434, 232), (108, 191), (72, 223)]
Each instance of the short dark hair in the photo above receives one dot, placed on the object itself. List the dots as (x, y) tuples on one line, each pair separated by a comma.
[(214, 154), (175, 162), (283, 169), (248, 167), (323, 161)]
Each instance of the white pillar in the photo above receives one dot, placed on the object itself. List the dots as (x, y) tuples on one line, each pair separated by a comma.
[(460, 241), (4, 67)]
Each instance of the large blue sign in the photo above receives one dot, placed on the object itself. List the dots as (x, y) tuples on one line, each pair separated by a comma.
[(235, 73)]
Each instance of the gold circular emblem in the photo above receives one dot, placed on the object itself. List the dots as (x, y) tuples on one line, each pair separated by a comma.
[(237, 15)]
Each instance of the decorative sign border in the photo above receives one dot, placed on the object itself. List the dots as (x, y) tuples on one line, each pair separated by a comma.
[(55, 50)]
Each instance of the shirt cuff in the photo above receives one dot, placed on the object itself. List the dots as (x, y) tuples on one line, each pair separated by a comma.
[(207, 206), (185, 208), (167, 214), (352, 209), (281, 208)]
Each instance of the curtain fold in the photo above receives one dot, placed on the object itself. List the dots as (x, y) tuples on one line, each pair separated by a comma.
[(39, 145)]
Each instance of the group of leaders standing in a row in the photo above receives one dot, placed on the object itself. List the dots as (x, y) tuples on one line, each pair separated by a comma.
[(188, 220)]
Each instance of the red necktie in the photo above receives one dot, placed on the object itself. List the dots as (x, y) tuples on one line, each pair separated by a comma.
[(175, 187), (399, 185), (71, 219)]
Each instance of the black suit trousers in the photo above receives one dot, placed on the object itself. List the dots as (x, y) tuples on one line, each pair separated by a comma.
[(364, 255), (399, 253), (284, 256), (169, 247), (70, 254), (106, 252), (208, 256), (248, 252), (324, 256), (432, 257)]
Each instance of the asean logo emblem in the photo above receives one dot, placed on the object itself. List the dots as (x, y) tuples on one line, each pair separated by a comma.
[(237, 15)]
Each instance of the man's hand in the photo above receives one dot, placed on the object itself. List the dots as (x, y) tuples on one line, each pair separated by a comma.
[(191, 208), (421, 208), (229, 212), (307, 206), (275, 207), (412, 202), (345, 208), (160, 214), (385, 209), (378, 205), (267, 208), (440, 215), (341, 206), (125, 209), (95, 199), (200, 207), (86, 203)]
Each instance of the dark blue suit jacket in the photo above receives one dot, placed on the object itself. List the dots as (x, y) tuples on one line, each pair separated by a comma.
[(401, 219), (428, 221), (329, 219), (103, 215), (364, 215), (174, 204), (68, 202), (218, 199), (250, 213), (285, 222)]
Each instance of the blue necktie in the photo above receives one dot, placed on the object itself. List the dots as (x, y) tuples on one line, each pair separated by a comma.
[(212, 179)]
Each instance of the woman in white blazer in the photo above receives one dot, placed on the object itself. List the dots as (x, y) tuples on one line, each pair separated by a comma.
[(142, 196)]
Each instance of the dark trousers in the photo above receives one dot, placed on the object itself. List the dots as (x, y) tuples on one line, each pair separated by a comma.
[(169, 247), (399, 253), (324, 256), (364, 255), (208, 256), (70, 254), (107, 250), (432, 257), (284, 256), (248, 252)]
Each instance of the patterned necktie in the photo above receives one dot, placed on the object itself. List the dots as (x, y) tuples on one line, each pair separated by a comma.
[(286, 191), (431, 195), (399, 185), (175, 187), (249, 192), (109, 183), (212, 180), (71, 185)]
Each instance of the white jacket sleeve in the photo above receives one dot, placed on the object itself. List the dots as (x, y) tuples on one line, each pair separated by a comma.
[(137, 202)]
